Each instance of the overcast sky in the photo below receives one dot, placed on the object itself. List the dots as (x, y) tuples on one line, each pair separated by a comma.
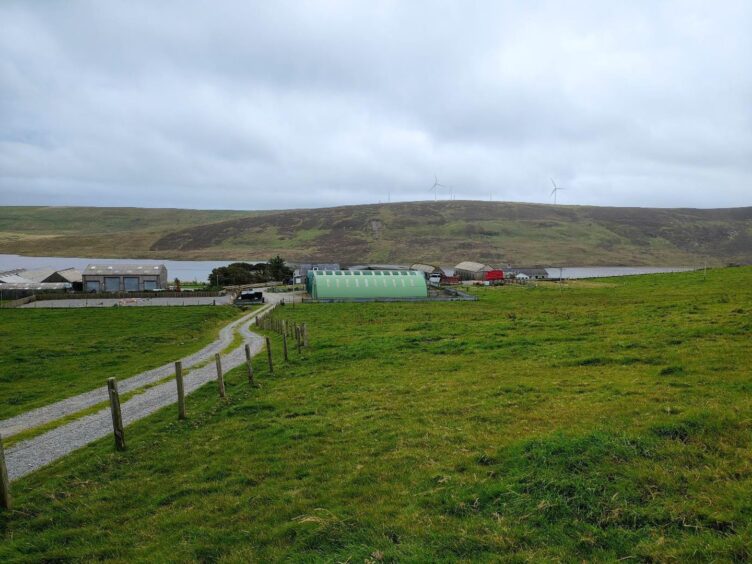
[(260, 105)]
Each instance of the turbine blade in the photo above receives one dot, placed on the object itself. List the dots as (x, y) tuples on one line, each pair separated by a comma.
[(554, 183)]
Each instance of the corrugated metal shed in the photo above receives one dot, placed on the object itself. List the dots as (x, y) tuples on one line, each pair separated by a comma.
[(368, 284)]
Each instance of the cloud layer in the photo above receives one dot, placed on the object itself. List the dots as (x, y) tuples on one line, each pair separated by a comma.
[(305, 104)]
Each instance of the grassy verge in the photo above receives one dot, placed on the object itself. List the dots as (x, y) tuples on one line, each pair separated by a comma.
[(50, 354), (584, 423)]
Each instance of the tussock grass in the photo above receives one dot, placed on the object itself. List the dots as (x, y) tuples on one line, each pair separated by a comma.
[(441, 432)]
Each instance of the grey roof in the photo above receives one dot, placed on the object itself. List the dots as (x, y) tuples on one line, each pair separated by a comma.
[(36, 286), (13, 279), (120, 269), (38, 275), (471, 266), (70, 274), (427, 268)]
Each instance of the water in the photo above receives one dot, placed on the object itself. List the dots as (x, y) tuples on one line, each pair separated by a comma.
[(189, 270), (186, 270), (574, 273)]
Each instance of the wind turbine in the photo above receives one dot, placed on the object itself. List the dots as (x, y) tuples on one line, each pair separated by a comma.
[(555, 191), (436, 187)]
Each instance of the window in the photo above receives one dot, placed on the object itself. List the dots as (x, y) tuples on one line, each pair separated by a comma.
[(378, 273), (404, 273), (112, 284), (130, 283), (92, 285), (348, 273), (150, 284), (368, 273)]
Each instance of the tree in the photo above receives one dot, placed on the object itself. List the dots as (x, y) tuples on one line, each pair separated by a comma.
[(277, 270)]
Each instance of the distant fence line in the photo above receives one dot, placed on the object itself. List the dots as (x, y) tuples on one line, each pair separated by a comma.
[(124, 295)]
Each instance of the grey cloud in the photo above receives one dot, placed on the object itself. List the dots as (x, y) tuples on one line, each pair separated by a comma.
[(276, 105)]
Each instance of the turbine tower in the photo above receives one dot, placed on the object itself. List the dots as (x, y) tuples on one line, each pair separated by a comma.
[(555, 191), (435, 187)]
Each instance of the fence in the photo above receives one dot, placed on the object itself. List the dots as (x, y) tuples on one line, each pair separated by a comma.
[(263, 320), (123, 295)]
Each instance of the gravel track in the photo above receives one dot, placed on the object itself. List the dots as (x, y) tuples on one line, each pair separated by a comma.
[(69, 406), (27, 456)]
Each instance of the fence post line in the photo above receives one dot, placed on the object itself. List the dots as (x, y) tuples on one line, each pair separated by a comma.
[(284, 346), (117, 416), (5, 501), (181, 391), (220, 376), (269, 355), (297, 337), (249, 364)]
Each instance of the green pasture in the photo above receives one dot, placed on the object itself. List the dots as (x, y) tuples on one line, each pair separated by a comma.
[(596, 421), (50, 354)]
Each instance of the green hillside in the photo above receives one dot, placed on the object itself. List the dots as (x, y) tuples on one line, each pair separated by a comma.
[(436, 232), (596, 421)]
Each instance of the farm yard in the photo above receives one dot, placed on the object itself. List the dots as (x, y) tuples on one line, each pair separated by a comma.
[(595, 420)]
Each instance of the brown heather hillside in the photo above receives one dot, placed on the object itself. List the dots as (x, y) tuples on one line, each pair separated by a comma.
[(437, 232)]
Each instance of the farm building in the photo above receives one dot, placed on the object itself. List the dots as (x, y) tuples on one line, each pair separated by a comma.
[(531, 273), (124, 277), (368, 284), (426, 269), (469, 270), (301, 272), (69, 275)]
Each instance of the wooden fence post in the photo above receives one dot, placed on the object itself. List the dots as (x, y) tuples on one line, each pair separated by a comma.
[(181, 391), (305, 335), (117, 416), (220, 376), (297, 336), (5, 501), (269, 355), (284, 346), (249, 364)]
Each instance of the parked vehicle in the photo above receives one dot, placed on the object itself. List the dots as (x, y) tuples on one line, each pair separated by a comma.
[(250, 297)]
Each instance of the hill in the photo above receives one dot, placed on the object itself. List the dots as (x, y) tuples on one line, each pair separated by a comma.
[(443, 232)]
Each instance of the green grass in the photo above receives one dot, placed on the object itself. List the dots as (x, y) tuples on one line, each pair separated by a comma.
[(596, 421), (50, 354)]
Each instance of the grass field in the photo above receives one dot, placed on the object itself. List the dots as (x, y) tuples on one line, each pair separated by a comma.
[(599, 421), (50, 354)]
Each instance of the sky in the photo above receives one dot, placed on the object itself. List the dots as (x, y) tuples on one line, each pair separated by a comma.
[(276, 105)]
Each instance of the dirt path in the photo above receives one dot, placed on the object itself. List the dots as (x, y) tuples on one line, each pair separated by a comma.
[(69, 406), (27, 456)]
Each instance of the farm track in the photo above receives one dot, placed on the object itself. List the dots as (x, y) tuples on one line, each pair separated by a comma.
[(75, 404), (29, 455)]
